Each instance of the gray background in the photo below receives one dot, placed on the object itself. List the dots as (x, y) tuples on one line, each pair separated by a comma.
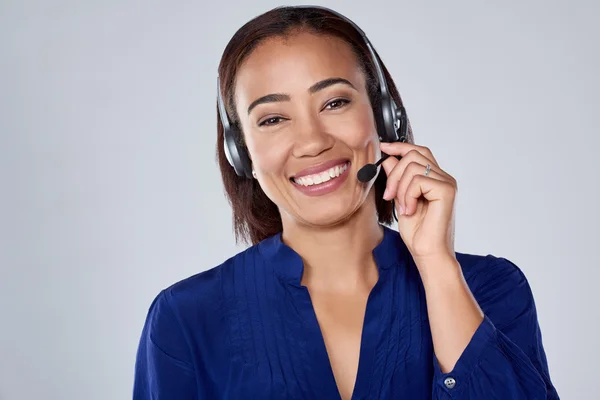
[(110, 190)]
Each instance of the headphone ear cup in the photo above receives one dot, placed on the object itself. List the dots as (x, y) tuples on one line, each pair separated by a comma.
[(236, 154), (402, 131), (388, 132), (378, 114)]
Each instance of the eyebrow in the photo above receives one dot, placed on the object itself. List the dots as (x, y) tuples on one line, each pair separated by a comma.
[(276, 97)]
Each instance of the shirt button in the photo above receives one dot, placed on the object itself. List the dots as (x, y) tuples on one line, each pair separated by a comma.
[(450, 382)]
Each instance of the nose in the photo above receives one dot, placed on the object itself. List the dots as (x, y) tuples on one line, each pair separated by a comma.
[(311, 137)]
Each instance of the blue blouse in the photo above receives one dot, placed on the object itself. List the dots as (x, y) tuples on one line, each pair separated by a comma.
[(246, 329)]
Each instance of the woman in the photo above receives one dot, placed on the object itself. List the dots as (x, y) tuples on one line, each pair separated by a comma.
[(328, 302)]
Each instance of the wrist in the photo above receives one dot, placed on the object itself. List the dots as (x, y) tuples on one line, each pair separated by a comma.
[(443, 269)]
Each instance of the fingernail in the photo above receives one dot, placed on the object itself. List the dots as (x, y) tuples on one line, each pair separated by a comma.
[(385, 193), (400, 210)]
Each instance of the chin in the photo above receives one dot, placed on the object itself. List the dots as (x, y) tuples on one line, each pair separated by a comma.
[(325, 221), (328, 213)]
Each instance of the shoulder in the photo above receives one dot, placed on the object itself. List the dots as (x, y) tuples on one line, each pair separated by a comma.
[(193, 308), (499, 286), (203, 294), (482, 270), (191, 313)]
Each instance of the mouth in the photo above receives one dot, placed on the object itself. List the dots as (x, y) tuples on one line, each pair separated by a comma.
[(323, 176)]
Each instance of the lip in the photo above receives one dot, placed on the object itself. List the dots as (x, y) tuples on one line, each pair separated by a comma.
[(325, 187), (316, 169)]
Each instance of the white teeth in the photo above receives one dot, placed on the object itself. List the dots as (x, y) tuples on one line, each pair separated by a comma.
[(322, 177)]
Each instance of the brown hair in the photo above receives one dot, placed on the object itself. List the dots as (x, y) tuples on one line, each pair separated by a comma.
[(255, 216)]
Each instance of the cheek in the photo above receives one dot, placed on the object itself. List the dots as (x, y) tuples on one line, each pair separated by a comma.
[(359, 129), (268, 155)]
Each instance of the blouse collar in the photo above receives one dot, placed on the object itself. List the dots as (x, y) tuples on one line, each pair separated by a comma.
[(288, 264)]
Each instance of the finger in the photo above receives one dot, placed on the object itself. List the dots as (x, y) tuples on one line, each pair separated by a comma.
[(399, 168), (413, 170), (388, 164), (401, 149), (430, 188)]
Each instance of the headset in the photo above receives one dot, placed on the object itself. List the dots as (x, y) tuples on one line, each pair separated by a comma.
[(392, 121)]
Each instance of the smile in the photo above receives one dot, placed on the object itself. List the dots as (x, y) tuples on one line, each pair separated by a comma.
[(322, 177)]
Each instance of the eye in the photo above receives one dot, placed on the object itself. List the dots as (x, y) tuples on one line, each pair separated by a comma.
[(270, 121), (337, 103)]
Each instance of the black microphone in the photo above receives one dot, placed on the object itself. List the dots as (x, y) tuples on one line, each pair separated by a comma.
[(368, 172)]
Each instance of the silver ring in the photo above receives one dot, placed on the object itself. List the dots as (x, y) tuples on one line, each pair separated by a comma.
[(427, 170)]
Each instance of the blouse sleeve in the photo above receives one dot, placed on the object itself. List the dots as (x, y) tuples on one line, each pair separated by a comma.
[(163, 368), (505, 359)]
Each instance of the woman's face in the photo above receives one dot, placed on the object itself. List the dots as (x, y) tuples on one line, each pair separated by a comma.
[(308, 124)]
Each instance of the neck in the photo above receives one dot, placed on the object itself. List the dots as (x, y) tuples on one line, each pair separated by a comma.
[(338, 257)]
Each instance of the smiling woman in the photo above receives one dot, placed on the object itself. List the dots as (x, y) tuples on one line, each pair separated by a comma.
[(328, 302), (339, 80)]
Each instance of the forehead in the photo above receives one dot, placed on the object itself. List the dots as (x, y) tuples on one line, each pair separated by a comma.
[(294, 63)]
